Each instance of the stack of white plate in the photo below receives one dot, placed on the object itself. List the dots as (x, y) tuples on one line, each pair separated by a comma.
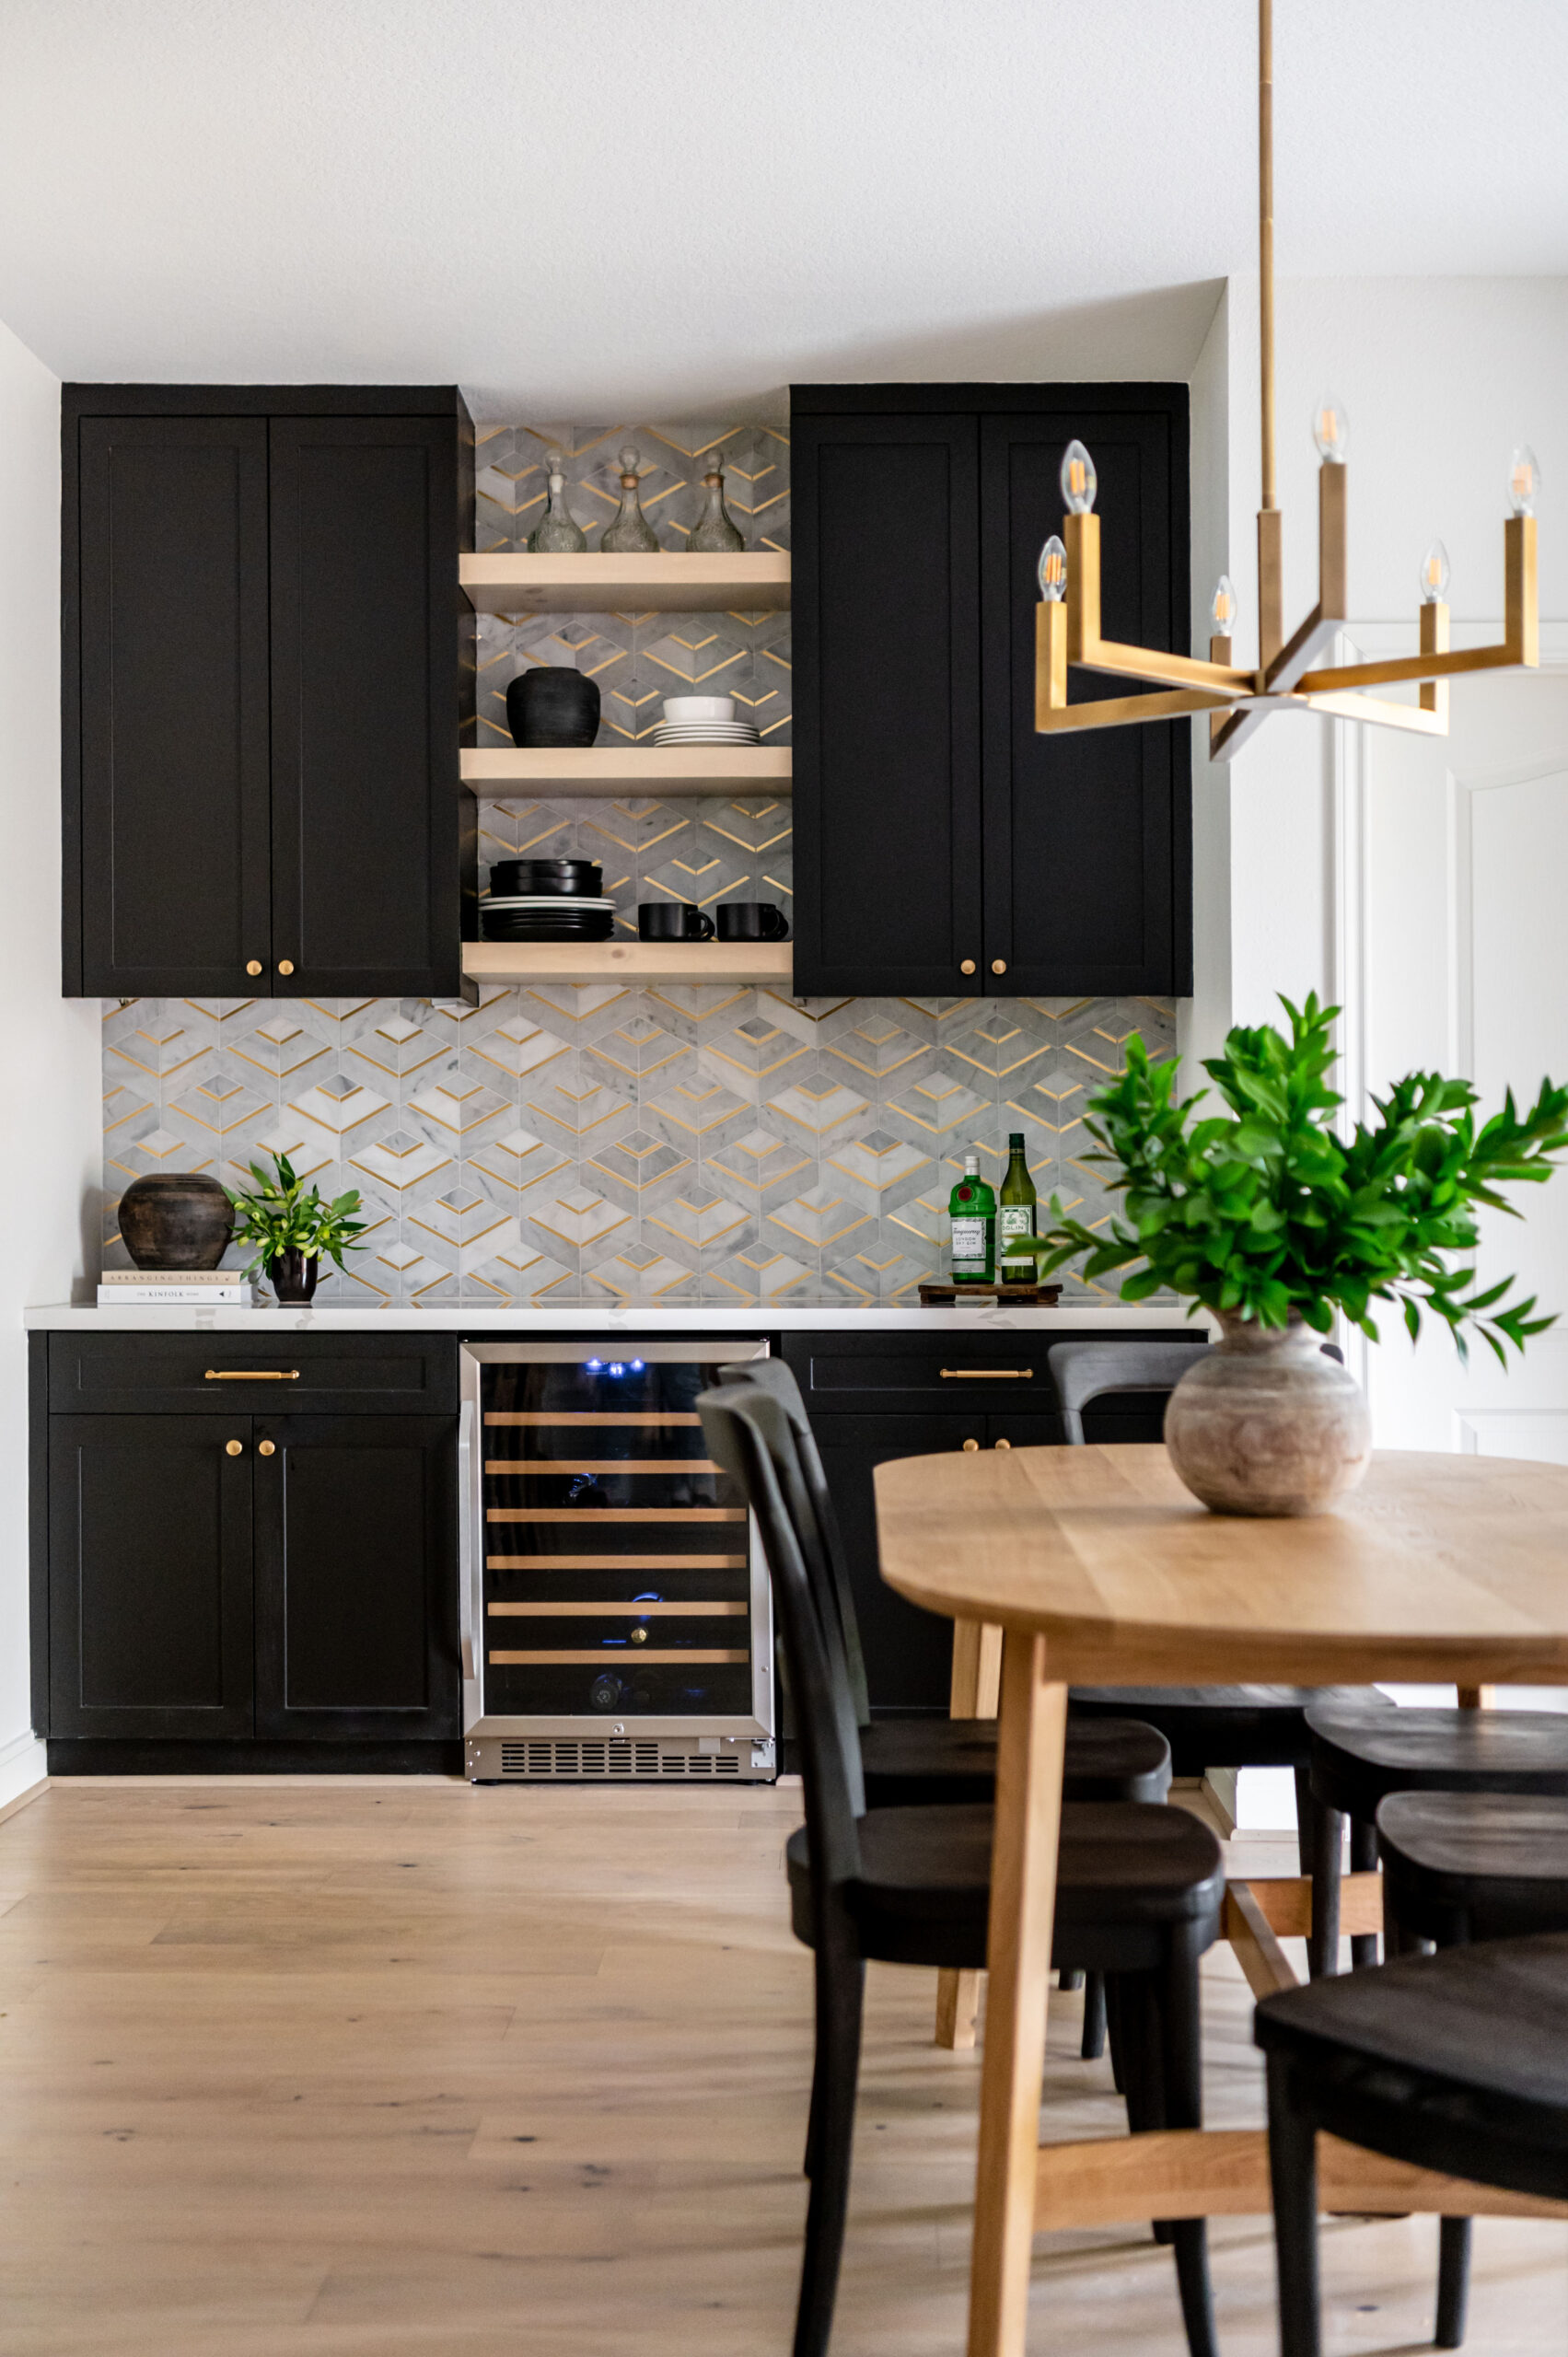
[(739, 732), (702, 720)]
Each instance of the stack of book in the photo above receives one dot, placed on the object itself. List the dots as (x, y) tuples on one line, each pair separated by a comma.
[(208, 1288)]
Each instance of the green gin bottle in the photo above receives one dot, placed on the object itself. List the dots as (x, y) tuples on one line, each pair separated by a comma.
[(1016, 1214), (971, 1207)]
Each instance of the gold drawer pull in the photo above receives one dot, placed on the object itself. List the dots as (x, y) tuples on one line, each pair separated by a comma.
[(252, 1374), (987, 1374)]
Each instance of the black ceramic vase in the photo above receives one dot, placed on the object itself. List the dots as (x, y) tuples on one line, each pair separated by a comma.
[(176, 1219), (294, 1274), (551, 706)]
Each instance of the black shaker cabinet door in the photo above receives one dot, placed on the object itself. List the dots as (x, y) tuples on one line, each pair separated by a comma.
[(166, 708), (909, 1654), (150, 1594), (365, 818), (356, 1581), (886, 715), (1087, 861)]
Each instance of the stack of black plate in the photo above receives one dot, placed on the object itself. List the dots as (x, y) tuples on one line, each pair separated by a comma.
[(547, 900)]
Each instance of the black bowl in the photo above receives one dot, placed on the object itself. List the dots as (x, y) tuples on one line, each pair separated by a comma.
[(553, 706), (516, 878)]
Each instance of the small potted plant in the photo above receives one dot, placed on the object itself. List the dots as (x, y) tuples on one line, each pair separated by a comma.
[(293, 1230), (1273, 1220)]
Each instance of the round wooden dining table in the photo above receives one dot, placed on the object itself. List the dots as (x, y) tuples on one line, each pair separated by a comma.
[(1101, 1570)]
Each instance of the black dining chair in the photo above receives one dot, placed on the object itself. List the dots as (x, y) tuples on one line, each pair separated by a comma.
[(1139, 1889), (1359, 1756), (905, 1762), (1456, 2062)]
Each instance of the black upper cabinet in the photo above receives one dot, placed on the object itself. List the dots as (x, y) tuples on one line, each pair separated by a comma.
[(887, 718), (934, 828), (264, 689), (168, 890)]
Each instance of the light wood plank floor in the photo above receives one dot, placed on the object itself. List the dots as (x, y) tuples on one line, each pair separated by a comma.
[(336, 2069)]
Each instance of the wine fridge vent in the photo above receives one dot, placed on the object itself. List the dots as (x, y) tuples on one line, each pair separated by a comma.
[(651, 1762)]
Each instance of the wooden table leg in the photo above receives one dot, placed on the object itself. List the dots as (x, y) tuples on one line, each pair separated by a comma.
[(977, 1670), (1023, 1901)]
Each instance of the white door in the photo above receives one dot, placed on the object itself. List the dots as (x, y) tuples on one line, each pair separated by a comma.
[(1462, 849)]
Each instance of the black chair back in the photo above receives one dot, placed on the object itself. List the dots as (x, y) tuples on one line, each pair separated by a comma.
[(826, 1559), (748, 1435), (1085, 1371)]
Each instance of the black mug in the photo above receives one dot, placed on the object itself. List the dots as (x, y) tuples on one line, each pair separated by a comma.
[(751, 920), (673, 921)]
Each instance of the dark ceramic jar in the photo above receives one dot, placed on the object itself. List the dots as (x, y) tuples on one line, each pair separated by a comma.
[(553, 706), (176, 1219)]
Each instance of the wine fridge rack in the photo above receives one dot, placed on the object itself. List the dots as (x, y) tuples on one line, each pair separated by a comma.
[(615, 1604)]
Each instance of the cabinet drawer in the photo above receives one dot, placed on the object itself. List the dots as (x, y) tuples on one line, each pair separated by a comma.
[(960, 1373), (146, 1374)]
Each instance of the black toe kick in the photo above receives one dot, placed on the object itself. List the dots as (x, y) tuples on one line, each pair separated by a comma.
[(94, 1756)]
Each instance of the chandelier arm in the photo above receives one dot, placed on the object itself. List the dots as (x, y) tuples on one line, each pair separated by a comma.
[(1088, 652), (1288, 666), (1519, 647), (1119, 711), (1380, 712)]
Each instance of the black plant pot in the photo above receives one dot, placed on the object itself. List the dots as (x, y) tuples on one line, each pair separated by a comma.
[(552, 707), (294, 1274), (176, 1219)]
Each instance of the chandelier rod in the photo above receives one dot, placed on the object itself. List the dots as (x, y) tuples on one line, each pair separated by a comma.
[(1266, 237)]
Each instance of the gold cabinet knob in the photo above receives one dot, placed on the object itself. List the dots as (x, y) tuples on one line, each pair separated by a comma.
[(971, 1443), (999, 965), (639, 1636), (269, 1448), (967, 967), (235, 1447), (252, 965), (1001, 1443), (286, 965)]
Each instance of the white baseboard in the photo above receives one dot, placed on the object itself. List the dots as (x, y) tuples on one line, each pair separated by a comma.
[(24, 1771)]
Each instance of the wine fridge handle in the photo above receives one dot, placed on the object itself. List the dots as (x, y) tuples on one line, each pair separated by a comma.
[(468, 1569)]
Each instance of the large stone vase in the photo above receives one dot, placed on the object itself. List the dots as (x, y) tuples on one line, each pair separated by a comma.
[(1264, 1424)]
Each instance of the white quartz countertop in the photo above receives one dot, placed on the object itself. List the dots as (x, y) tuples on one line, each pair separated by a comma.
[(822, 1317)]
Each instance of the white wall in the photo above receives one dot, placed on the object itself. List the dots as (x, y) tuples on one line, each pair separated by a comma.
[(48, 1047)]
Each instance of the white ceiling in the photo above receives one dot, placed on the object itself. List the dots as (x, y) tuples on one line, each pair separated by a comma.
[(672, 209)]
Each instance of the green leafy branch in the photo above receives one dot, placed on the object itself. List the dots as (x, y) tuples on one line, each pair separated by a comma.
[(1266, 1212), (278, 1216)]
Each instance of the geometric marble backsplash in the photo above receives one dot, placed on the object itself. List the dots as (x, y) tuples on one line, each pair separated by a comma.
[(580, 1144), (574, 1146)]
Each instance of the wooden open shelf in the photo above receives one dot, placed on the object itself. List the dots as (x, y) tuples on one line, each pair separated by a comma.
[(766, 964), (667, 582), (630, 768)]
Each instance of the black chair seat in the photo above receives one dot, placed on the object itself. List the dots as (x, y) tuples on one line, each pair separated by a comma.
[(1465, 1866), (1359, 1756), (927, 1763), (1125, 1874), (1456, 2061), (1222, 1726)]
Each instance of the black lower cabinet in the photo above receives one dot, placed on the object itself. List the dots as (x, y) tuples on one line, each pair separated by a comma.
[(236, 1591), (150, 1582), (356, 1582), (909, 1654)]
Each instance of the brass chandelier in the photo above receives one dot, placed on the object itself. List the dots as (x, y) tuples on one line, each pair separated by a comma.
[(1239, 702)]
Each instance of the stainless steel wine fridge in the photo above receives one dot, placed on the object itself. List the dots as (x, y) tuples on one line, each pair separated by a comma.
[(616, 1612)]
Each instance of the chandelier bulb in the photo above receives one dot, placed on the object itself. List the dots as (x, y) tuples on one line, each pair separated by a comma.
[(1330, 429), (1079, 481), (1524, 481), (1434, 575), (1221, 612), (1053, 571)]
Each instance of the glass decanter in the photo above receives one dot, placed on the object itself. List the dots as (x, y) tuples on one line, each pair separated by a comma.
[(713, 534), (631, 531), (555, 534)]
